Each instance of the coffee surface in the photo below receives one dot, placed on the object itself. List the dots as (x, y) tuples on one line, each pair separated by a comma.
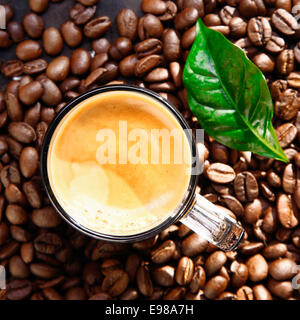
[(108, 169)]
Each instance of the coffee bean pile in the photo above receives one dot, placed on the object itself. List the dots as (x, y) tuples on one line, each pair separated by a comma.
[(45, 258)]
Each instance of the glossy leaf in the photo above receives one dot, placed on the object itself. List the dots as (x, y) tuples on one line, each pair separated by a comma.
[(229, 95)]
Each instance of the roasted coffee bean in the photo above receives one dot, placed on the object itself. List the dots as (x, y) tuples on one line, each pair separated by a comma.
[(233, 204), (253, 211), (246, 45), (193, 245), (33, 194), (293, 80), (286, 107), (144, 281), (4, 232), (287, 211), (28, 50), (52, 95), (146, 64), (227, 13), (43, 271), (267, 191), (19, 234), (81, 14), (35, 66), (188, 37), (127, 66), (29, 161), (251, 8), (32, 115), (264, 62), (80, 61), (296, 238), (239, 274), (111, 72), (257, 267), (238, 27), (215, 286), (127, 23), (163, 86), (31, 92), (53, 41), (22, 132), (97, 27), (121, 48), (220, 173), (297, 52), (48, 114), (18, 289), (281, 289), (286, 133), (148, 47), (212, 19), (149, 26), (171, 45), (261, 292), (285, 62), (12, 68), (157, 75), (214, 262), (16, 214), (69, 83), (3, 146), (198, 279), (58, 69), (289, 178), (101, 45), (5, 41), (276, 44), (88, 2), (27, 252), (164, 252), (186, 18), (10, 174), (110, 265), (275, 250), (170, 12), (15, 31), (164, 276), (284, 22), (38, 6), (9, 249), (184, 271), (48, 243), (94, 76), (17, 268), (198, 4), (14, 147), (33, 25), (245, 186), (259, 31), (71, 34), (156, 7), (176, 293), (45, 218)]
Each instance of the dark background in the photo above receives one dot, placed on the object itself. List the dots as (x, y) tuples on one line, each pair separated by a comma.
[(57, 13)]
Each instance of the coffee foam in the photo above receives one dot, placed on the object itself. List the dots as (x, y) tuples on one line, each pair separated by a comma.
[(113, 199)]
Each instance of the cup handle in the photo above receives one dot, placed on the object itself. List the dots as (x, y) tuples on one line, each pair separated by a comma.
[(213, 224)]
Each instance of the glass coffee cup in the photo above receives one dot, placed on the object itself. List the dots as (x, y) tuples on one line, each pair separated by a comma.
[(193, 210)]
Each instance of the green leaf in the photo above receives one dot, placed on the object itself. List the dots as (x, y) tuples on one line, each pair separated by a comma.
[(229, 95)]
